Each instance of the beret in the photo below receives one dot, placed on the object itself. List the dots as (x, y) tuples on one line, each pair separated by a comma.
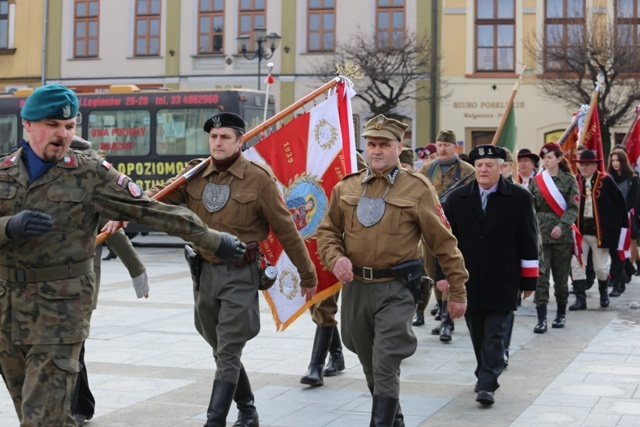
[(447, 135), (52, 101), (225, 120), (487, 151), (549, 147), (430, 149), (383, 127)]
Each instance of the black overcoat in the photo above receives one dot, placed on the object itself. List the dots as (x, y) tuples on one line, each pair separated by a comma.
[(494, 243)]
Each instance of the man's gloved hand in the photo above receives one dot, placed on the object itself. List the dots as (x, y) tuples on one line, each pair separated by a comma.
[(28, 223), (141, 285), (230, 247)]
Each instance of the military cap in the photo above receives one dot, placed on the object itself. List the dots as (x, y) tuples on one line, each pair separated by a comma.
[(549, 147), (465, 157), (447, 135), (588, 156), (487, 151), (430, 149), (384, 127), (406, 155), (525, 152), (52, 101), (225, 120), (509, 156)]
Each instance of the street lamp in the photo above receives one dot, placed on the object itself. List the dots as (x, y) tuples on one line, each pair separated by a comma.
[(260, 37)]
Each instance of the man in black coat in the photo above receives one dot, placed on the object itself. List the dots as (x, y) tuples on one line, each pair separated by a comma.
[(500, 248)]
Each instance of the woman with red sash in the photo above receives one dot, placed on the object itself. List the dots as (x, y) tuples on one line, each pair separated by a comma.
[(557, 201)]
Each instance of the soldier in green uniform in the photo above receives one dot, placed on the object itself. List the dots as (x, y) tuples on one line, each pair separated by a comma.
[(51, 200), (236, 195), (444, 172), (556, 198), (369, 240)]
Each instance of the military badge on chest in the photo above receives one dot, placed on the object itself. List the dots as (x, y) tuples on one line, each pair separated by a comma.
[(216, 196), (371, 210)]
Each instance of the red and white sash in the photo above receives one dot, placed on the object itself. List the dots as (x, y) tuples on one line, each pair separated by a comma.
[(558, 204)]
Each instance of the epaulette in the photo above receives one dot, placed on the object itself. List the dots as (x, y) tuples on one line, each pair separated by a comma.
[(196, 161), (420, 176), (358, 172), (264, 167)]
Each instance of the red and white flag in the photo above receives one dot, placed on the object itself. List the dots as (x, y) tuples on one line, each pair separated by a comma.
[(633, 141), (308, 156)]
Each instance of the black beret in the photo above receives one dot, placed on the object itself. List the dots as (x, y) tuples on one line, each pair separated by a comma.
[(487, 151), (225, 120)]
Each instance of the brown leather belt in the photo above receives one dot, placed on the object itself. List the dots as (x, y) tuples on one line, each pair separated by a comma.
[(44, 274), (369, 273), (250, 255)]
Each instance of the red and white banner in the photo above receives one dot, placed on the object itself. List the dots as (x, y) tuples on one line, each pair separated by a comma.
[(633, 141), (308, 156)]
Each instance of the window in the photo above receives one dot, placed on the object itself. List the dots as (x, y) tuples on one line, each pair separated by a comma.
[(627, 34), (85, 22), (564, 33), (8, 132), (389, 24), (321, 26), (495, 35), (211, 26), (120, 133), (252, 14), (179, 131), (147, 28), (4, 24)]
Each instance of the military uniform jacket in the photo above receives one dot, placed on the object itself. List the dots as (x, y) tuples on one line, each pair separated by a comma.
[(442, 182), (495, 245), (547, 218), (254, 205), (609, 209), (76, 192), (412, 210)]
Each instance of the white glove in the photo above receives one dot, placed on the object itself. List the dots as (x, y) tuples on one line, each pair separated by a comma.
[(141, 285)]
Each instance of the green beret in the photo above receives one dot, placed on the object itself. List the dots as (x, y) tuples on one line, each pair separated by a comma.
[(52, 101), (447, 135), (383, 127), (406, 155), (225, 120)]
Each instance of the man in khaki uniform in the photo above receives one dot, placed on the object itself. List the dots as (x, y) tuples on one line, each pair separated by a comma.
[(51, 200), (239, 196), (444, 172), (375, 219)]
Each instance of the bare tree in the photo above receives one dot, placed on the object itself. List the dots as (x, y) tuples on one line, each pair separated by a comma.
[(389, 73), (572, 59)]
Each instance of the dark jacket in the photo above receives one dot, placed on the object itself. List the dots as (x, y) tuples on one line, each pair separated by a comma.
[(609, 209), (495, 243)]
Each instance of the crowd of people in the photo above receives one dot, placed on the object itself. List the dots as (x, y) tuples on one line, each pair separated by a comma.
[(487, 233)]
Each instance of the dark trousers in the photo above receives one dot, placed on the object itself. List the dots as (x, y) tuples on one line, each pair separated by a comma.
[(487, 332), (83, 401)]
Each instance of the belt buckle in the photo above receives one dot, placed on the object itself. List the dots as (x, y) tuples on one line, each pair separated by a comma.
[(367, 273), (21, 275)]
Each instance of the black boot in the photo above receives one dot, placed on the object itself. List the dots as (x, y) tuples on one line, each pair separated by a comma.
[(247, 413), (434, 310), (446, 327), (637, 273), (602, 288), (221, 398), (561, 317), (581, 295), (438, 315), (419, 320), (336, 358), (541, 327), (321, 343), (591, 278), (508, 330), (615, 292), (383, 411), (398, 420)]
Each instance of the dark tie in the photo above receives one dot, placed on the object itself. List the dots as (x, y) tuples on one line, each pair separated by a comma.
[(483, 199)]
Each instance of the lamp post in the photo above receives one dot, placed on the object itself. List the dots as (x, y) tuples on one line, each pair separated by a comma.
[(260, 38)]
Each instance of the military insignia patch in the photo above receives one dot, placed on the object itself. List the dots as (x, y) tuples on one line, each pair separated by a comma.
[(134, 189), (121, 179), (69, 161), (66, 111), (216, 122), (307, 202), (106, 165), (443, 217), (576, 199), (379, 123), (9, 161)]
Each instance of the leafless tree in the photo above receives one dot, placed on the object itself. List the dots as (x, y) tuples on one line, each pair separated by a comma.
[(571, 61), (389, 74)]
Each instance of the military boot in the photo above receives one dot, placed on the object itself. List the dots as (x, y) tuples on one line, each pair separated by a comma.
[(336, 358), (383, 411), (603, 288), (419, 319), (581, 295), (541, 327), (221, 398), (247, 412), (561, 317), (447, 326), (314, 376)]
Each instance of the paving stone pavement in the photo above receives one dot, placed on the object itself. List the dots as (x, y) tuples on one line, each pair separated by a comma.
[(149, 367)]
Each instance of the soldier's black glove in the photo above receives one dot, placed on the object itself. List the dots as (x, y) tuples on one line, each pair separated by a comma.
[(28, 223), (230, 247)]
